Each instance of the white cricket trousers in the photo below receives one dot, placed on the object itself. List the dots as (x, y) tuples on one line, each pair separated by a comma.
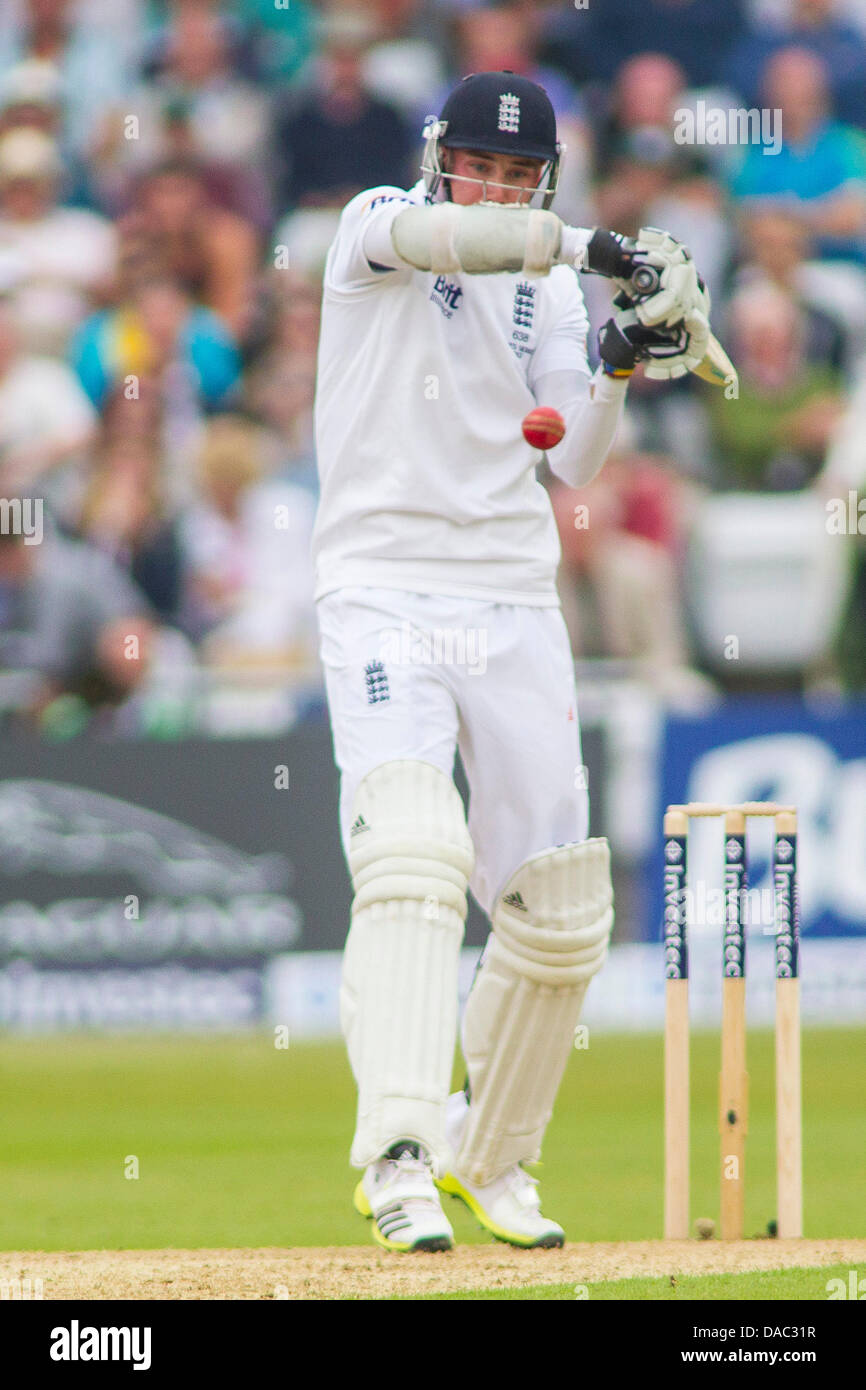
[(419, 675)]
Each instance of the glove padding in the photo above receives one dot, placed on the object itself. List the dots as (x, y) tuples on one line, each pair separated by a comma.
[(669, 351), (617, 256), (693, 332), (681, 303), (681, 289), (678, 290)]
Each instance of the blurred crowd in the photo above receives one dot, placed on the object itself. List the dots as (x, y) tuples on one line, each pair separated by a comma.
[(171, 172)]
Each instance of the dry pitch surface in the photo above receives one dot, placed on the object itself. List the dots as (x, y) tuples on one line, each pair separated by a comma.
[(367, 1272)]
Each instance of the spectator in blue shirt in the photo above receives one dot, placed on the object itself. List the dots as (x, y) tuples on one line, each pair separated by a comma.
[(159, 332), (813, 25), (819, 173)]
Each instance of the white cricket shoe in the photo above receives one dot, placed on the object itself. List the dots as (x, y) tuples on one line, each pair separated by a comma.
[(509, 1206), (398, 1194)]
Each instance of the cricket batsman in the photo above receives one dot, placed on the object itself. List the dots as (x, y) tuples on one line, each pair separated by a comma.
[(450, 311)]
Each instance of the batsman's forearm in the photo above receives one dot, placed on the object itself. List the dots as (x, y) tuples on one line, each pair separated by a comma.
[(479, 240), (592, 409), (482, 239)]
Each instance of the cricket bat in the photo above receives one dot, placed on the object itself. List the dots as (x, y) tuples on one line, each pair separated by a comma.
[(717, 367)]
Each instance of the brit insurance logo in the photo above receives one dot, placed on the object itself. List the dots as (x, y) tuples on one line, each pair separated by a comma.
[(447, 294), (509, 112), (382, 198)]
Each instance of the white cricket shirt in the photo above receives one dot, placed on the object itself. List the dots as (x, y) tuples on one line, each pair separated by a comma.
[(423, 381)]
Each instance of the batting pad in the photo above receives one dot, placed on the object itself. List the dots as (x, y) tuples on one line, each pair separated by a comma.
[(551, 928), (410, 856)]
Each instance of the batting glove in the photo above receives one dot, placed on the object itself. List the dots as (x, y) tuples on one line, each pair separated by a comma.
[(668, 351), (680, 293)]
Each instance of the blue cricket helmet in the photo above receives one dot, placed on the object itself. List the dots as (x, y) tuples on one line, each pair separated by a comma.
[(500, 112)]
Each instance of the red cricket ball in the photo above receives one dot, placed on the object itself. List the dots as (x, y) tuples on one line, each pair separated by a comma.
[(543, 427)]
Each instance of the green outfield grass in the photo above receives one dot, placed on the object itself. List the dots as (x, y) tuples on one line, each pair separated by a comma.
[(241, 1144), (768, 1284)]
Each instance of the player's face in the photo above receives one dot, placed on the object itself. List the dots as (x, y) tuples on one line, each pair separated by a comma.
[(477, 175)]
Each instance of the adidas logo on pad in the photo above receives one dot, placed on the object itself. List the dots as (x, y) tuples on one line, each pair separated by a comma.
[(515, 900), (359, 827)]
